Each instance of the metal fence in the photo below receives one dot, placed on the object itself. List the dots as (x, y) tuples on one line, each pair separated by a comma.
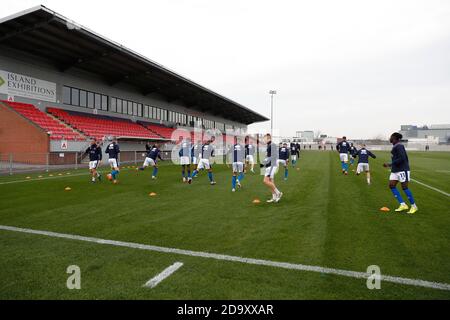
[(13, 163)]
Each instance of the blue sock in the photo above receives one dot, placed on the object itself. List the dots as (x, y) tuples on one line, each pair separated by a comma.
[(241, 176), (189, 173), (155, 171), (409, 195), (286, 173), (183, 173), (194, 173), (343, 165), (210, 176), (233, 182), (397, 195)]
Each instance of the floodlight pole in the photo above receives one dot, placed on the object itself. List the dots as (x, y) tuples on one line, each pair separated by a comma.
[(271, 92)]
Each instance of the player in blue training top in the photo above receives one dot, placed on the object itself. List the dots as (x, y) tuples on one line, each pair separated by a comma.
[(343, 148), (294, 152), (400, 172), (185, 154), (206, 156), (113, 151), (270, 165), (153, 154), (195, 154), (250, 154), (237, 158), (283, 159), (363, 161), (352, 152), (95, 156)]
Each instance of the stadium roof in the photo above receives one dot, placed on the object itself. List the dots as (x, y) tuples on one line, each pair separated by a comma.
[(67, 45)]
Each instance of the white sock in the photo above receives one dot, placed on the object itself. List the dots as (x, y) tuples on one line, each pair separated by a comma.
[(277, 192), (274, 196)]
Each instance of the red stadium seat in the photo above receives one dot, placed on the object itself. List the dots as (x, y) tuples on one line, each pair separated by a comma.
[(56, 129), (98, 126), (164, 132)]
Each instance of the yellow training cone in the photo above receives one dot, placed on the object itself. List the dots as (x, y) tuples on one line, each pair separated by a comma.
[(68, 188), (256, 201), (152, 194), (385, 209)]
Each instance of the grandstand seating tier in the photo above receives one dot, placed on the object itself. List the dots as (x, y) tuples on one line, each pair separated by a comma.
[(56, 130), (99, 127), (164, 132)]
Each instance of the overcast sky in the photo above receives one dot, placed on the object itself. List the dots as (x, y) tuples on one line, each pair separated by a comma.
[(355, 68)]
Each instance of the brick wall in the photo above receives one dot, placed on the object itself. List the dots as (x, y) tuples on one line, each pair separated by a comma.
[(21, 137)]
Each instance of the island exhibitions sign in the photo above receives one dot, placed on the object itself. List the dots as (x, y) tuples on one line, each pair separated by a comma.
[(13, 84)]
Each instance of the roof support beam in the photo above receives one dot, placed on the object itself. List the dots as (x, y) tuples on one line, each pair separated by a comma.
[(125, 77), (81, 60), (26, 29), (149, 90)]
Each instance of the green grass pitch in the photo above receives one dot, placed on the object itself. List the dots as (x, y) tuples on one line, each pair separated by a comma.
[(324, 219)]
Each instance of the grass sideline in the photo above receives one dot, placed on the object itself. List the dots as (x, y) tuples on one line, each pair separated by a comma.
[(324, 219)]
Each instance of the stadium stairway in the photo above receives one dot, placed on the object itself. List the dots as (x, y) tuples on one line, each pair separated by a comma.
[(56, 129), (65, 124), (162, 131)]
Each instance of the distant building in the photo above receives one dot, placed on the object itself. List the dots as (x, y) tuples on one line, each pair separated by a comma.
[(435, 132), (305, 136)]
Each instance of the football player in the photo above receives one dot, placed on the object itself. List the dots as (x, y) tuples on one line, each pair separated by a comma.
[(400, 172)]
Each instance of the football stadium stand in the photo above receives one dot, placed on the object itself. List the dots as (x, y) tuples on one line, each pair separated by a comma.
[(75, 84), (55, 129), (164, 132), (99, 127)]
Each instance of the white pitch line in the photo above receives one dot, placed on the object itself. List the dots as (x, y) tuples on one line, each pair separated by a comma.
[(432, 188), (223, 257), (47, 178), (153, 282)]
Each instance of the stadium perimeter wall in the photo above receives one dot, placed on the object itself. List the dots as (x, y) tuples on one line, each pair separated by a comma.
[(22, 137)]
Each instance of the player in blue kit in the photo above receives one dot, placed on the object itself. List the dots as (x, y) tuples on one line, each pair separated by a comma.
[(237, 158), (343, 148), (363, 161), (153, 154), (185, 154), (352, 152), (294, 153), (195, 154), (250, 154), (95, 156), (270, 165), (283, 159), (400, 172), (206, 156), (113, 151)]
